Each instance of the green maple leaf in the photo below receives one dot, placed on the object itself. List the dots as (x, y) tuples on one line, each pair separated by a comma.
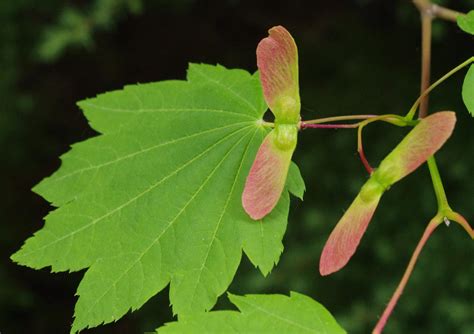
[(466, 22), (156, 198), (468, 90), (261, 314)]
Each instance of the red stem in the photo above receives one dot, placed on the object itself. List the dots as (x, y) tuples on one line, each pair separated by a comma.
[(337, 119), (365, 162), (463, 222), (396, 295), (328, 126), (426, 27)]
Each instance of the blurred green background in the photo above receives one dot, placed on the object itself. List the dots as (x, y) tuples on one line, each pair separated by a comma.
[(358, 56)]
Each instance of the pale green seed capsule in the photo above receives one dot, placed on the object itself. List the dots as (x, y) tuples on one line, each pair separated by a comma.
[(285, 136), (389, 171), (288, 110), (371, 190)]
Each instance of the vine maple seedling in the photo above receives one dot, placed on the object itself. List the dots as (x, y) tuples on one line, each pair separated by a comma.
[(138, 222)]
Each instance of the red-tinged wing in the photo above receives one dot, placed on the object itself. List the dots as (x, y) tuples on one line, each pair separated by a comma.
[(345, 237), (267, 177), (418, 145), (277, 61), (426, 138)]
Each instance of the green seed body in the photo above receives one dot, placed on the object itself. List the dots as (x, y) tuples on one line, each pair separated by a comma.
[(285, 136), (371, 190), (287, 110)]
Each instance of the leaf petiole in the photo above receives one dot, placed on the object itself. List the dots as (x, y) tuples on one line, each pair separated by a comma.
[(304, 125), (366, 119), (266, 124), (411, 113), (337, 119)]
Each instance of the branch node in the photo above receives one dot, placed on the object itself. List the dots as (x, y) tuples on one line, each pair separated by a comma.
[(446, 221)]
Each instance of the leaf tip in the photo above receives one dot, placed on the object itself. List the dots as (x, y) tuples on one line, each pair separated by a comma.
[(466, 22), (468, 90)]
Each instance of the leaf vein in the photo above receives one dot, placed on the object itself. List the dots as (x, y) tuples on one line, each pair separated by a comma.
[(226, 88), (133, 199), (222, 213), (113, 285), (277, 316), (131, 155), (152, 110)]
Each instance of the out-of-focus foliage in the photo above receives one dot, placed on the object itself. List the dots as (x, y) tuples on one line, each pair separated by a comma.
[(75, 26), (355, 57)]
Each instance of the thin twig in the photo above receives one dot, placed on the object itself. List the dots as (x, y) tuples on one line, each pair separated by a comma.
[(337, 118), (426, 25), (403, 282), (445, 13), (437, 10), (304, 125), (415, 105)]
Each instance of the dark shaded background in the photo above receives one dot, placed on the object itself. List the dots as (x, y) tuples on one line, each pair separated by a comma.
[(355, 57)]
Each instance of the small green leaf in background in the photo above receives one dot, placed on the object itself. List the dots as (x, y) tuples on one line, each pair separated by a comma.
[(468, 90), (156, 198), (295, 182), (261, 314), (466, 22)]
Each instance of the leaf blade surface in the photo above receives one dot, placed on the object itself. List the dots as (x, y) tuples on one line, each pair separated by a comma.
[(156, 198), (296, 313)]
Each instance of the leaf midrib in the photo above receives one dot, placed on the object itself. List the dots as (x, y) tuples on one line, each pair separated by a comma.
[(277, 316), (200, 270), (151, 110), (131, 155)]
